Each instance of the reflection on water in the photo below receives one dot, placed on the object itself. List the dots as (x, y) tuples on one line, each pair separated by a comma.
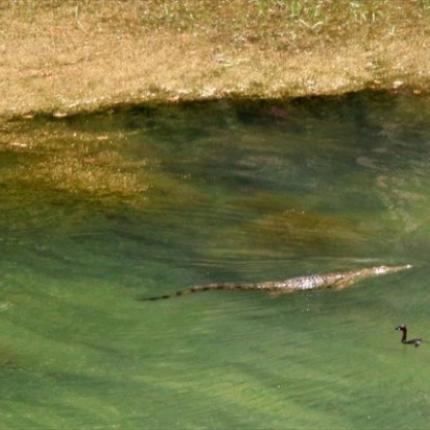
[(96, 211)]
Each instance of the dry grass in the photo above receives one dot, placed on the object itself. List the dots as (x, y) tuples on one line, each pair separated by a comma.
[(69, 56)]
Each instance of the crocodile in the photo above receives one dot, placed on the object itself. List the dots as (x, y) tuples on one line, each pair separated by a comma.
[(335, 280)]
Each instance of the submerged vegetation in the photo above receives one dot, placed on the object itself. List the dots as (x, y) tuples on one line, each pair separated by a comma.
[(53, 156), (140, 160), (63, 57)]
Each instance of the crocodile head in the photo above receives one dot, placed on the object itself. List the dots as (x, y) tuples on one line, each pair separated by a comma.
[(382, 270)]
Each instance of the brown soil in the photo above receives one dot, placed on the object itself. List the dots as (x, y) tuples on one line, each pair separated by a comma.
[(61, 57)]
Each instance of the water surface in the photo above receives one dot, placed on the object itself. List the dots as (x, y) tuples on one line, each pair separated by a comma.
[(98, 211)]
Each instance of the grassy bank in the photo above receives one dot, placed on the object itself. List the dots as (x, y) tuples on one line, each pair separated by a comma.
[(69, 56)]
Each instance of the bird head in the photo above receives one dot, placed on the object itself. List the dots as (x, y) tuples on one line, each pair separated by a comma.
[(401, 327)]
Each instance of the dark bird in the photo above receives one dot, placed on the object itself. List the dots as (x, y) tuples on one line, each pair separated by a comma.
[(416, 342)]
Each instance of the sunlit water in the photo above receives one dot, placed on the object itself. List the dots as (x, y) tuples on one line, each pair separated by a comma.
[(245, 192)]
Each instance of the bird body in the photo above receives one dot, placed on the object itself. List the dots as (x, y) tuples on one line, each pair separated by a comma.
[(416, 341)]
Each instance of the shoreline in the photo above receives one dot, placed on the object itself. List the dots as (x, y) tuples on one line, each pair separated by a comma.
[(73, 57)]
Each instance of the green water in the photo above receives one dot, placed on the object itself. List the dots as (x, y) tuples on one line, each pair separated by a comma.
[(153, 200)]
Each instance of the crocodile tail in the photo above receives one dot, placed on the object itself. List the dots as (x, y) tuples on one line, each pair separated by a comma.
[(178, 293), (165, 296), (199, 288), (149, 299)]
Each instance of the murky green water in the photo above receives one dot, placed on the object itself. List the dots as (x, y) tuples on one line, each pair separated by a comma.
[(98, 211)]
